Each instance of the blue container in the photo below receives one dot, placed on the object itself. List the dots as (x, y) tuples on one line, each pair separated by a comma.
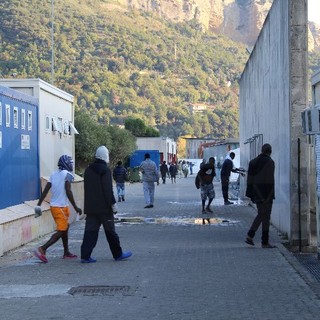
[(138, 156), (19, 161)]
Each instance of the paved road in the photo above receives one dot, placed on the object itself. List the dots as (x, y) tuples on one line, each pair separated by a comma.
[(181, 269)]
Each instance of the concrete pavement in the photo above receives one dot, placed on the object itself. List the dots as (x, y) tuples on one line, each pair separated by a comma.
[(181, 269)]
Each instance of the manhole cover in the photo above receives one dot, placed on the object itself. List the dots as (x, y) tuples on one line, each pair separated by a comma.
[(100, 290)]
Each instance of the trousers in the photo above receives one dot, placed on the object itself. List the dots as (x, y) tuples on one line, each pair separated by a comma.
[(91, 233), (263, 217), (148, 191)]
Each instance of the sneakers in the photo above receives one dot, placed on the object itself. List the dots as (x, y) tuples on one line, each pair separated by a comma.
[(122, 198), (208, 209), (249, 241), (268, 246), (69, 255), (40, 254), (227, 203), (90, 260), (124, 255), (149, 206)]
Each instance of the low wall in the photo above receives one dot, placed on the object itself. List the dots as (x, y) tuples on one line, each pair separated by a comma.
[(19, 226)]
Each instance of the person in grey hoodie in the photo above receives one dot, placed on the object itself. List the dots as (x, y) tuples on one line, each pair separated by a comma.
[(150, 175)]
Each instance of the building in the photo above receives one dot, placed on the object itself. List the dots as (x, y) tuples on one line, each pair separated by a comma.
[(166, 146), (56, 117), (19, 173)]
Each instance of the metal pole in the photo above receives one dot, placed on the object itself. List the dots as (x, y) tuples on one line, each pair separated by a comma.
[(52, 42), (299, 194)]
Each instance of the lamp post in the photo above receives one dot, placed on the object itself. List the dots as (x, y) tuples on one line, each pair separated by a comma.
[(52, 42)]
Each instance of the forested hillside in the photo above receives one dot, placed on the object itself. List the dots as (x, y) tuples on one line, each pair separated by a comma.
[(120, 63)]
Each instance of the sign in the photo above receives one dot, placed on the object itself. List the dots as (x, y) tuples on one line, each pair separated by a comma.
[(25, 141)]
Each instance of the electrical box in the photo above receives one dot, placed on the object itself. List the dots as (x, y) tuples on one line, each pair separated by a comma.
[(311, 120)]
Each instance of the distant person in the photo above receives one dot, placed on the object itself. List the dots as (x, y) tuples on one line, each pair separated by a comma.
[(150, 175), (191, 165), (99, 206), (60, 185), (164, 171), (226, 169), (185, 168), (179, 167), (173, 172), (120, 175), (218, 169), (260, 189), (204, 181)]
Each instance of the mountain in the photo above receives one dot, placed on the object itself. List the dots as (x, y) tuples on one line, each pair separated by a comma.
[(239, 20)]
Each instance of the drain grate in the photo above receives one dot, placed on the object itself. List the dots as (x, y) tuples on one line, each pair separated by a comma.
[(311, 263), (100, 290)]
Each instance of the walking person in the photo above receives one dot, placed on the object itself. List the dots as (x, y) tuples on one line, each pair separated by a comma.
[(99, 208), (260, 189), (150, 175), (226, 169), (173, 172), (206, 175), (120, 175), (164, 171), (60, 185)]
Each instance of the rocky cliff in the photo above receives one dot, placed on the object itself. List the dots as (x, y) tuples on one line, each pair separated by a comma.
[(240, 20)]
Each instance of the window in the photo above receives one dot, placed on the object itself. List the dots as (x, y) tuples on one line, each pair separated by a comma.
[(60, 126), (7, 115), (29, 120), (15, 118), (66, 127), (23, 119), (47, 124), (0, 114), (73, 128), (57, 125)]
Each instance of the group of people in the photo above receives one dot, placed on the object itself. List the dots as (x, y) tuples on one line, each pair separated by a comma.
[(99, 207), (99, 200), (260, 189)]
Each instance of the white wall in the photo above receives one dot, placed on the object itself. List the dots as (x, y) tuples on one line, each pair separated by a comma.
[(273, 92)]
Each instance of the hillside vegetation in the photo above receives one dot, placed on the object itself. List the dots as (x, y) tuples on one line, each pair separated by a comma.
[(119, 64)]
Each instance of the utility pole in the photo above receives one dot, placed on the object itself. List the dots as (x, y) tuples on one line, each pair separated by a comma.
[(52, 42)]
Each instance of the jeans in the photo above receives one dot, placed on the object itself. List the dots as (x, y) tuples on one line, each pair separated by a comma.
[(120, 189), (148, 191)]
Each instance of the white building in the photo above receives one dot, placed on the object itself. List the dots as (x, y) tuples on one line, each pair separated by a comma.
[(166, 146), (56, 117)]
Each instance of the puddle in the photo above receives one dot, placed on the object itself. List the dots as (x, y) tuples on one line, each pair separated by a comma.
[(178, 221)]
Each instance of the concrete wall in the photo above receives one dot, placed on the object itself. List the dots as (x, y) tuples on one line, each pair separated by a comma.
[(273, 92), (19, 226)]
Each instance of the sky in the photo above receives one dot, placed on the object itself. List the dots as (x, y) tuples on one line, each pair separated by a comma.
[(314, 10)]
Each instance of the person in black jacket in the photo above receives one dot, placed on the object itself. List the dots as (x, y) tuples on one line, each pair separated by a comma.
[(164, 171), (99, 205), (120, 175), (227, 168), (260, 189)]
